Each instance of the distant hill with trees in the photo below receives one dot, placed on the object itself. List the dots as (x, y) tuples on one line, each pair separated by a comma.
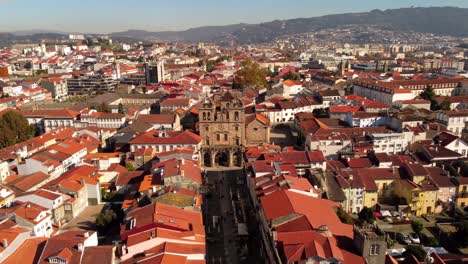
[(437, 20)]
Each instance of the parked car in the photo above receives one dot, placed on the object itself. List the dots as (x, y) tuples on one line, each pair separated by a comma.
[(403, 239), (388, 219), (414, 238)]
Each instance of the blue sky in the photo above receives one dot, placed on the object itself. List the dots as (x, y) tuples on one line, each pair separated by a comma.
[(104, 16)]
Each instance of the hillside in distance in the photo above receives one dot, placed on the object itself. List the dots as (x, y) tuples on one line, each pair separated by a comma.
[(436, 20)]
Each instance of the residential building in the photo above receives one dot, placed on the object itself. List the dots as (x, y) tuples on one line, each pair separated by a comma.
[(462, 192), (170, 105), (390, 143), (90, 85), (154, 72), (158, 225), (50, 200), (47, 120), (7, 196), (102, 120), (454, 120), (4, 170), (161, 121), (179, 173), (452, 142), (35, 218), (162, 141), (57, 86), (54, 160), (315, 240)]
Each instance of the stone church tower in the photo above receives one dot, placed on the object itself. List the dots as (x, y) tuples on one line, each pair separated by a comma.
[(222, 129)]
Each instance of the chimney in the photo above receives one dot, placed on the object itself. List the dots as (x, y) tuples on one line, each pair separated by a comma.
[(80, 246), (5, 243), (86, 234), (324, 231)]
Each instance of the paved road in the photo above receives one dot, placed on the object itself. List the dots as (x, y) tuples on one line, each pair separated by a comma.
[(85, 220), (225, 208)]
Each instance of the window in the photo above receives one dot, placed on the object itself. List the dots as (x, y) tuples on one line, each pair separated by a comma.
[(375, 250), (236, 116), (207, 128), (225, 137), (218, 137), (204, 116)]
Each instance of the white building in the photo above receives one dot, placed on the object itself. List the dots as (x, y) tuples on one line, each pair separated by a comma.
[(385, 92), (35, 218), (51, 201), (55, 160), (391, 143), (454, 120), (103, 120), (4, 170), (452, 142)]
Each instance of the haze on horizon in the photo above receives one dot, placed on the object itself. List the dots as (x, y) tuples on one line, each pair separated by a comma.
[(105, 16)]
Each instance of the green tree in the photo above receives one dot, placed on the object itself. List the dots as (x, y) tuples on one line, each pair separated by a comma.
[(129, 166), (6, 137), (417, 226), (251, 75), (291, 76), (462, 234), (367, 215), (121, 109), (344, 217), (431, 242), (14, 129), (103, 107), (210, 65), (416, 251), (445, 105), (103, 220), (429, 95)]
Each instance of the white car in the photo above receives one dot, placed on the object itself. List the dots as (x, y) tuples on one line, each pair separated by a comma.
[(404, 239), (414, 238)]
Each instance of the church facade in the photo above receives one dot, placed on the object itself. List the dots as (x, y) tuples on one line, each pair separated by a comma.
[(222, 129)]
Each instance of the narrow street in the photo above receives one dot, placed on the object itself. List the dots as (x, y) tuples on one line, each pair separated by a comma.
[(226, 212)]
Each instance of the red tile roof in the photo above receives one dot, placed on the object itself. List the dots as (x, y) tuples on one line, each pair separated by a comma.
[(318, 211), (179, 138), (157, 118)]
